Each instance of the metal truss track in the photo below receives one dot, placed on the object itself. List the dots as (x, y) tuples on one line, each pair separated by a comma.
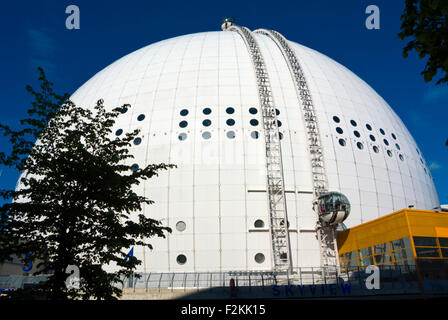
[(326, 234), (281, 252)]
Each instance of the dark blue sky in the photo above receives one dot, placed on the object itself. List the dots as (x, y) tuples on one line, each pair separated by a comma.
[(33, 34)]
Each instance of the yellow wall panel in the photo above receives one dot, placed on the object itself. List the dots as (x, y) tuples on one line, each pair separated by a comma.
[(397, 225)]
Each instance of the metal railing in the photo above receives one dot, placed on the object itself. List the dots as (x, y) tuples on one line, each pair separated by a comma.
[(390, 276), (299, 276)]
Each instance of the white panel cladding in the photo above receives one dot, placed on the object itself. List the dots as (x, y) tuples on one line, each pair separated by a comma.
[(217, 189)]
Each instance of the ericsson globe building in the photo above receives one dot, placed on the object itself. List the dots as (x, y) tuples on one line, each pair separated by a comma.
[(277, 147)]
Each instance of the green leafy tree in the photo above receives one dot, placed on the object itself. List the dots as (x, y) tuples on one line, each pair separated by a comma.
[(427, 22), (74, 202)]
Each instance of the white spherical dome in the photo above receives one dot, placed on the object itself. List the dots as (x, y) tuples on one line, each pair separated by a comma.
[(195, 99)]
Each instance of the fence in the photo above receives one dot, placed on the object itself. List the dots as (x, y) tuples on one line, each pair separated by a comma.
[(404, 278), (299, 276)]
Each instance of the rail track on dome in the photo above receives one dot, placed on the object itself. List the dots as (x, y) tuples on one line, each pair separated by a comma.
[(326, 233), (281, 251)]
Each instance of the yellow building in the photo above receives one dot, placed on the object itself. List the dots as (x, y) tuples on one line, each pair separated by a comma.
[(407, 240)]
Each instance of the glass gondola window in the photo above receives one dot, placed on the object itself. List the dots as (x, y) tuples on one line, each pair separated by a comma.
[(353, 123), (333, 207), (339, 130), (230, 110), (336, 119), (183, 112), (253, 111)]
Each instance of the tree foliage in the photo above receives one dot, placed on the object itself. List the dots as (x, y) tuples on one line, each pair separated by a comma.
[(75, 203), (427, 22)]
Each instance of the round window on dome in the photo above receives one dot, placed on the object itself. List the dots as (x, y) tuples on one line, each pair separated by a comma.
[(134, 167), (372, 137), (230, 134), (206, 122), (124, 110), (397, 146), (183, 136), (254, 122), (382, 132), (386, 142), (259, 223), (230, 110), (394, 136), (119, 132), (369, 127), (206, 135), (360, 146), (137, 141), (357, 134), (353, 123), (253, 110), (181, 226), (277, 112), (342, 142), (279, 123), (280, 135), (230, 122), (141, 117), (259, 258), (183, 112), (336, 119), (183, 124), (389, 153), (401, 157), (207, 111), (254, 134), (375, 149), (181, 259), (339, 130)]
